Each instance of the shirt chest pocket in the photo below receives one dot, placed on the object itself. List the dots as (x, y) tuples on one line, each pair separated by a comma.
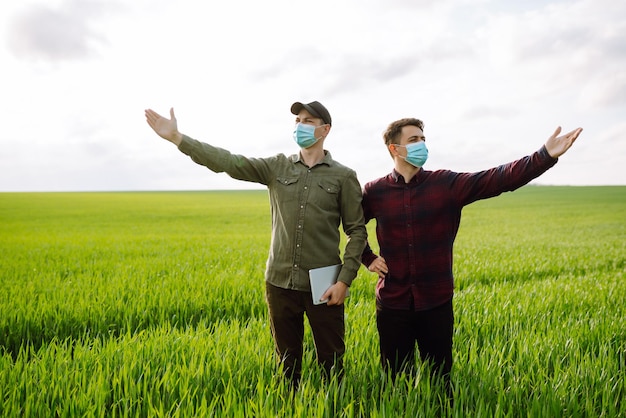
[(287, 181), (325, 194), (286, 189)]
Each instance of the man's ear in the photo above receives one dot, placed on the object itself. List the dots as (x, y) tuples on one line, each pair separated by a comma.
[(326, 130)]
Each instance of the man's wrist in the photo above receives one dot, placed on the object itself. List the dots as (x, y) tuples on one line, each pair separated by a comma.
[(177, 138)]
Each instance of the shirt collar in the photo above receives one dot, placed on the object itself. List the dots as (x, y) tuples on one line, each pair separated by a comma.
[(398, 178), (328, 159)]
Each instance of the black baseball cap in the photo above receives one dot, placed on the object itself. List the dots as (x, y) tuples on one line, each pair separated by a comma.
[(315, 108)]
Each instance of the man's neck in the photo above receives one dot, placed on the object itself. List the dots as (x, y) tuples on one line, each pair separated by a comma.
[(313, 155)]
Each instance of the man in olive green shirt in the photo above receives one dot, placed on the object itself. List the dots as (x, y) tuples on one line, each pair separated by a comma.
[(311, 195)]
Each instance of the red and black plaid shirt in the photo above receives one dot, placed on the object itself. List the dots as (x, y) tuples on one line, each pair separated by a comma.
[(417, 223)]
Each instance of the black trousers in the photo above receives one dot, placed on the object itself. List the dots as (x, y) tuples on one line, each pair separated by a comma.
[(400, 331), (286, 312)]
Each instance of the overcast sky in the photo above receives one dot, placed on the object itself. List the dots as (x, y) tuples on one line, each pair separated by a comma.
[(491, 80)]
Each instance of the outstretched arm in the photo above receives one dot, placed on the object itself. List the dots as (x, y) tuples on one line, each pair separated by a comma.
[(558, 145), (165, 128)]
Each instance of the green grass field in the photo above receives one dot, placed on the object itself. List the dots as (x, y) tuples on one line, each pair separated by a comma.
[(151, 304)]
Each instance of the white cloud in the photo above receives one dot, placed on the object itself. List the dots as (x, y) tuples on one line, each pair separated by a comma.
[(64, 31)]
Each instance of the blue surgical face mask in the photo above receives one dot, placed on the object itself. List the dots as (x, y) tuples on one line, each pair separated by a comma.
[(416, 153), (304, 135)]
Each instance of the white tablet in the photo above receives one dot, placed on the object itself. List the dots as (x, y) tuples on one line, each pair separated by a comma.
[(321, 279)]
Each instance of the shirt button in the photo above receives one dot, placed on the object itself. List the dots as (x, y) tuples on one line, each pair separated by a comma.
[(305, 187)]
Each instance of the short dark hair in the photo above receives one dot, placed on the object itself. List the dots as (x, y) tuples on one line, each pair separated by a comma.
[(392, 134)]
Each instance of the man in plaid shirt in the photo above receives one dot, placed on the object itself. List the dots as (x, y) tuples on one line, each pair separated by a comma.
[(417, 214)]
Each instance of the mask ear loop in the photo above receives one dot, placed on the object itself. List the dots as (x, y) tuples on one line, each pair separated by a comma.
[(395, 149), (322, 136)]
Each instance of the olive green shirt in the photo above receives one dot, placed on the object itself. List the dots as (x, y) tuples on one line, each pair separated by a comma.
[(308, 204)]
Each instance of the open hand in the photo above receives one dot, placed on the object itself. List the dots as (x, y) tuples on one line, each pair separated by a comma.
[(165, 128), (558, 145)]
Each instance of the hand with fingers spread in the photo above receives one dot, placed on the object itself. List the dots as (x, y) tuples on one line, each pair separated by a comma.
[(558, 145), (165, 128)]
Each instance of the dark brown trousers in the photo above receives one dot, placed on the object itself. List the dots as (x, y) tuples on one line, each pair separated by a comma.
[(286, 312)]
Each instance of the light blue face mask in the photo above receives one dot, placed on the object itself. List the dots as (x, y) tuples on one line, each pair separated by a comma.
[(304, 135), (416, 153)]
